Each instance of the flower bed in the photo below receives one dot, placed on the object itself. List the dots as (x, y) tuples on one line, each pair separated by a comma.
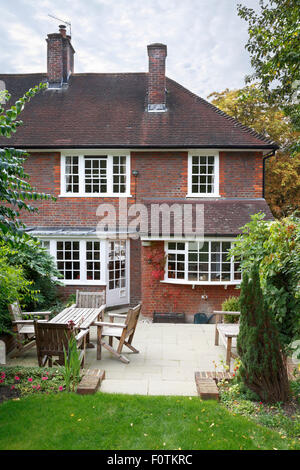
[(282, 417), (22, 381)]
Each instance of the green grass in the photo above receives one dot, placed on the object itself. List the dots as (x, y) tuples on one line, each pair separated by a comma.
[(103, 421)]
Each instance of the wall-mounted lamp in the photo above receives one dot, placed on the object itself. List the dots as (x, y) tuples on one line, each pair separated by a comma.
[(135, 172)]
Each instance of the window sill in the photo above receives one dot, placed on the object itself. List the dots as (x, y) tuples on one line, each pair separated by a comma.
[(202, 195), (76, 282), (200, 283), (98, 195)]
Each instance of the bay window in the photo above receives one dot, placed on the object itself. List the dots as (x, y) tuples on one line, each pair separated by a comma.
[(201, 262)]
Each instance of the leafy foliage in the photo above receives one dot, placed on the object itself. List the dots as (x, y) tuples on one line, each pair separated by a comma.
[(71, 371), (274, 247), (249, 106), (13, 286), (262, 367), (273, 44), (232, 304), (32, 380), (15, 191), (38, 266)]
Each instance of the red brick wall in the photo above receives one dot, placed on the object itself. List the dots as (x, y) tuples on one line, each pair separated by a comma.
[(157, 74), (135, 272), (166, 298), (241, 174), (161, 174), (66, 291)]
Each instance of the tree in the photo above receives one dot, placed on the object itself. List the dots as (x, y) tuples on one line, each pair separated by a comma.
[(13, 286), (282, 182), (273, 44), (274, 248), (15, 191), (263, 369)]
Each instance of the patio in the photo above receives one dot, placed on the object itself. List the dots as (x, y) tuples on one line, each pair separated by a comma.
[(169, 356)]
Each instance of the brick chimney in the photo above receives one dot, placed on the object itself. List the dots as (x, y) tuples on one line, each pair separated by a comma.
[(60, 58), (157, 77)]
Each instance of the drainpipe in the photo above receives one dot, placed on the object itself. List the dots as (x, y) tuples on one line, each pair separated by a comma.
[(271, 154)]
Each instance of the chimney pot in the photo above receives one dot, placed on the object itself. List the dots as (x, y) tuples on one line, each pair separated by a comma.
[(63, 30), (157, 77)]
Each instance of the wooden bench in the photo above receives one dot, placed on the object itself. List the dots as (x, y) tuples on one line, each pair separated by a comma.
[(227, 332)]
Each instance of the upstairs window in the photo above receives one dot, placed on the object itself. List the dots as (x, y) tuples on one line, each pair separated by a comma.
[(203, 175), (95, 175)]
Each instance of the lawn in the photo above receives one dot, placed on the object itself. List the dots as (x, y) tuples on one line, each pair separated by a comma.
[(114, 422)]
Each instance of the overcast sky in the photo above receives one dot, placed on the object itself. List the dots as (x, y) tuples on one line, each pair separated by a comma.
[(205, 38)]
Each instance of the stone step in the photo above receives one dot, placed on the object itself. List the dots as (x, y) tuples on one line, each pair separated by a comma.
[(91, 381), (206, 387)]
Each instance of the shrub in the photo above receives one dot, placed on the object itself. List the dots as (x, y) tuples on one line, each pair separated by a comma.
[(232, 304), (263, 369), (13, 286), (39, 267), (274, 248)]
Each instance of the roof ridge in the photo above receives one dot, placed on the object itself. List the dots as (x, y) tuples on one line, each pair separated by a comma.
[(247, 129), (107, 73)]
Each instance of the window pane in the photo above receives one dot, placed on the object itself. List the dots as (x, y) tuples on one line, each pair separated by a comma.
[(93, 267), (67, 252), (71, 175), (202, 174), (95, 174), (119, 174)]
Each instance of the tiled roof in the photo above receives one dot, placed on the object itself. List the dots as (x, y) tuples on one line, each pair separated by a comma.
[(222, 217), (109, 110)]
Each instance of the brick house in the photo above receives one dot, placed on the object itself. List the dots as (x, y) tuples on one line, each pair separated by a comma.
[(137, 140)]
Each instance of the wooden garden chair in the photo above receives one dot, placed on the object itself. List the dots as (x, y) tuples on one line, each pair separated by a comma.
[(227, 332), (25, 328), (52, 339), (123, 332), (89, 299)]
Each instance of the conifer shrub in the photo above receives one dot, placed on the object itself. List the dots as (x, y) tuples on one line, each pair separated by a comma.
[(263, 369)]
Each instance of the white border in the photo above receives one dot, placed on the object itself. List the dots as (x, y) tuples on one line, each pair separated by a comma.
[(166, 280), (203, 153), (81, 154)]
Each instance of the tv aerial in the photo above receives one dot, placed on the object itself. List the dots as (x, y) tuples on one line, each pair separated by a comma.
[(68, 23)]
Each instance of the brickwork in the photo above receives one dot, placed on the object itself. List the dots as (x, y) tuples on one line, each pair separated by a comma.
[(60, 57), (157, 74), (241, 174), (166, 298), (161, 175)]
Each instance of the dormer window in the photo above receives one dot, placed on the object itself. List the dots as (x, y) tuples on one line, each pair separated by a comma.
[(203, 174), (95, 175)]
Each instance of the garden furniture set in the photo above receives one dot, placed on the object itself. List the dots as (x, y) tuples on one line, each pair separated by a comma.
[(51, 336)]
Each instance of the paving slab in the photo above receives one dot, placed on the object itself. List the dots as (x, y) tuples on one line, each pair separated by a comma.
[(169, 356)]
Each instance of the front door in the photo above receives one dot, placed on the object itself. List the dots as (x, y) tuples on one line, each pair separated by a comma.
[(117, 292)]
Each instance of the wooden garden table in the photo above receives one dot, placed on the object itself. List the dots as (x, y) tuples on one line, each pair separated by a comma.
[(82, 318)]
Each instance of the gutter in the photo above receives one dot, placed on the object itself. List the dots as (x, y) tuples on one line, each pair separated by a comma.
[(271, 154)]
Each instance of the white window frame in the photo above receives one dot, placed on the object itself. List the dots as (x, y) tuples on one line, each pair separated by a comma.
[(194, 282), (204, 153), (95, 153), (82, 258)]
